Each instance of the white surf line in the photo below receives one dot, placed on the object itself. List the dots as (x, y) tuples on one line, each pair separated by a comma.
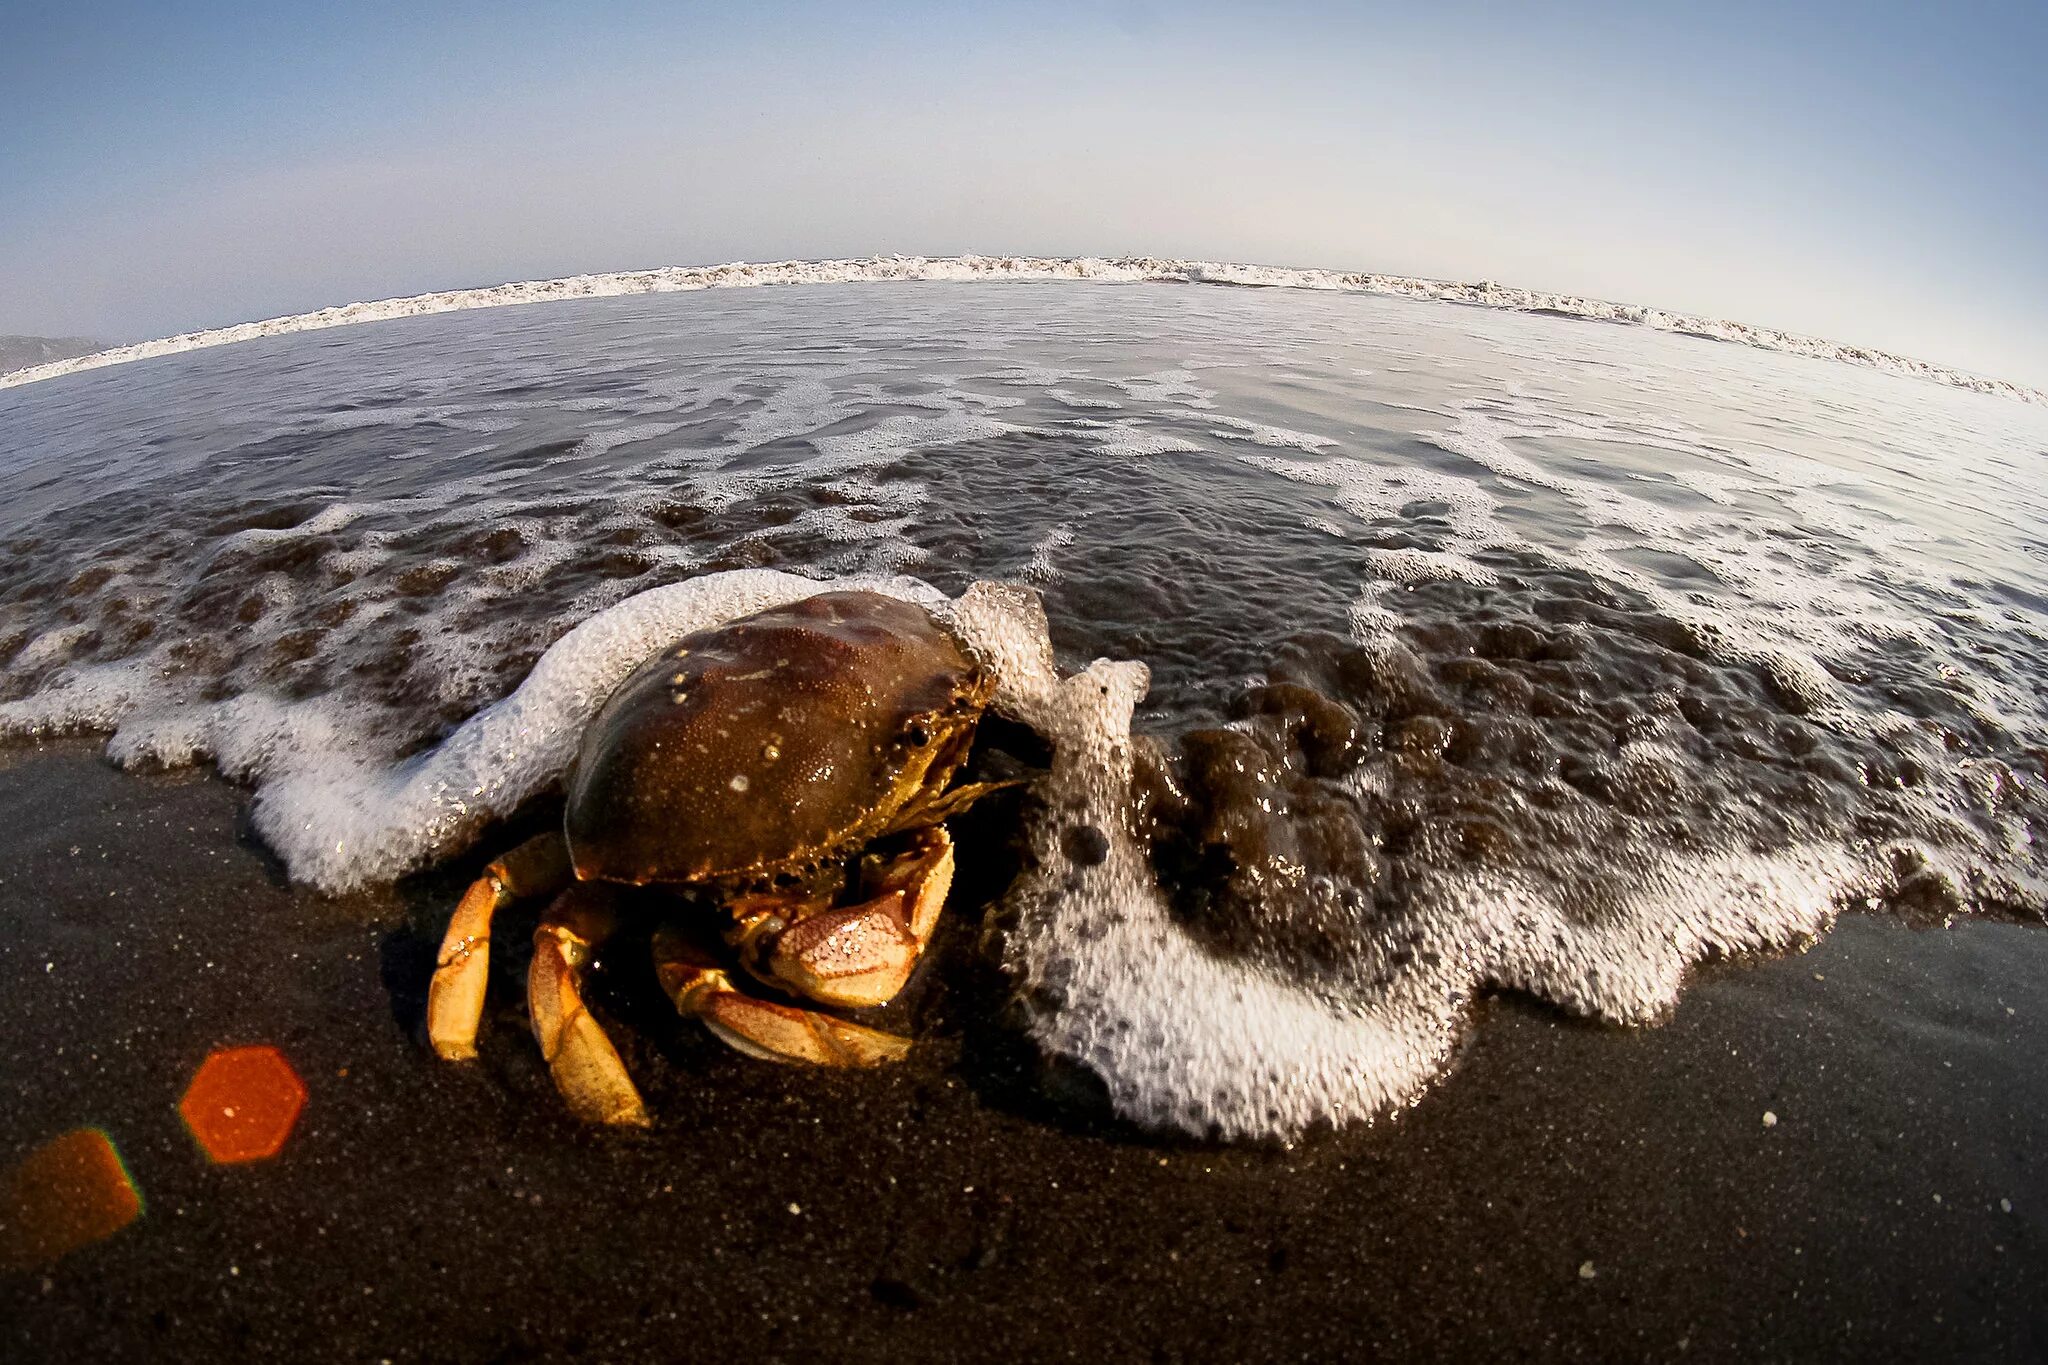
[(1112, 270)]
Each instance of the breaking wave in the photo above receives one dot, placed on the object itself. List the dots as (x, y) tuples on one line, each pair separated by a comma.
[(1022, 269)]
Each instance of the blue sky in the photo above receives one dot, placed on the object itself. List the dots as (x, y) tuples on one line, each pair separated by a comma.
[(1870, 173)]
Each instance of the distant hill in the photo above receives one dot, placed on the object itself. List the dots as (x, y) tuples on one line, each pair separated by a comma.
[(18, 353)]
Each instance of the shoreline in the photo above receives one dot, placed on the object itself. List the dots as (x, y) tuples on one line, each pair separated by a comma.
[(1036, 269), (1893, 1210)]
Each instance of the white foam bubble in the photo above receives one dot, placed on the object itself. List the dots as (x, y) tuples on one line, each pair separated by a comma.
[(1133, 438), (1426, 566), (598, 442), (1165, 386), (1041, 569), (330, 518), (358, 419), (899, 435), (1258, 433), (843, 454), (1720, 488), (1482, 439), (95, 697), (1374, 492), (1029, 376), (1075, 400), (1187, 1040), (1783, 599)]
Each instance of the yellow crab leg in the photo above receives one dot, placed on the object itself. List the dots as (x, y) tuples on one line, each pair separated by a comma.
[(455, 1000), (585, 1065)]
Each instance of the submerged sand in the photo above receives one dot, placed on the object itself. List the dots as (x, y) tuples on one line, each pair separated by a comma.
[(1569, 1191)]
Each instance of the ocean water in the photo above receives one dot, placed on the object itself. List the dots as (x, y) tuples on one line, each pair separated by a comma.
[(1387, 651)]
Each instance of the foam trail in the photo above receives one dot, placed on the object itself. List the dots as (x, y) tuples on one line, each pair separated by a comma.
[(341, 825), (1183, 1036), (1112, 270), (1189, 1039)]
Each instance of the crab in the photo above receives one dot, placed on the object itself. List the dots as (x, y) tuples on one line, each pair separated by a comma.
[(791, 770)]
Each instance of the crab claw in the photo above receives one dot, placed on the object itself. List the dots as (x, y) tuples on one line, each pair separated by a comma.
[(861, 955), (762, 1028), (854, 957)]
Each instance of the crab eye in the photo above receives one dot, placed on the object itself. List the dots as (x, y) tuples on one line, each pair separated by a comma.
[(919, 735)]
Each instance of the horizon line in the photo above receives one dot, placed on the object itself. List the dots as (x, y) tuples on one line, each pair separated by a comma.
[(1027, 269)]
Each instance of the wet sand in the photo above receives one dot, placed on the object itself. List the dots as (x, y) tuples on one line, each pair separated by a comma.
[(1568, 1192)]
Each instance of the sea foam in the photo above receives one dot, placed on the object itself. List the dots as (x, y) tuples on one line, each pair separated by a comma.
[(1181, 1037)]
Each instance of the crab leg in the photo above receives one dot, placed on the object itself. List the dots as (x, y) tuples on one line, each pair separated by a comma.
[(762, 1028), (455, 1000), (586, 1066)]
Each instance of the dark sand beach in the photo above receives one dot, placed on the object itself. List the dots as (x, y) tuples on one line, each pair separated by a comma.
[(1569, 1191)]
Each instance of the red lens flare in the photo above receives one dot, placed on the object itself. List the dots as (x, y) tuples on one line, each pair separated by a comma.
[(68, 1193), (242, 1103)]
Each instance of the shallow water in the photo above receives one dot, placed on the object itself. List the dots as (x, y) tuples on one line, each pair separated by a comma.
[(1484, 650)]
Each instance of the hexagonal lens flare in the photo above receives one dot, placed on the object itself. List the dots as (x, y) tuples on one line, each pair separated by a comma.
[(68, 1193), (243, 1103)]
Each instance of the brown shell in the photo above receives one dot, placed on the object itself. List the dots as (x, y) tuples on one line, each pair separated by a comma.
[(772, 743)]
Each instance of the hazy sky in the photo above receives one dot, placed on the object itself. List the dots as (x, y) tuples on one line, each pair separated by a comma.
[(1870, 172)]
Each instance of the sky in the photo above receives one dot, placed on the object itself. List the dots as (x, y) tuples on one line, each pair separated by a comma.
[(1867, 172)]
